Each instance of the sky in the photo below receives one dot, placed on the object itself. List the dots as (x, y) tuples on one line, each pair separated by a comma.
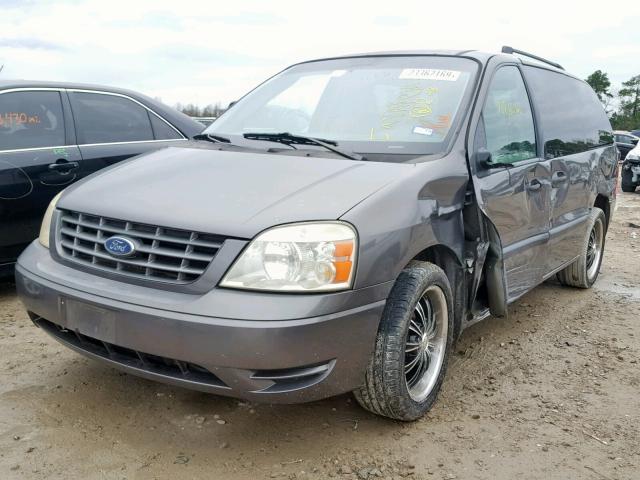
[(204, 52)]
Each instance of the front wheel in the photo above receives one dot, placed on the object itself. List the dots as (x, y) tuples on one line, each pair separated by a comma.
[(584, 271), (412, 347)]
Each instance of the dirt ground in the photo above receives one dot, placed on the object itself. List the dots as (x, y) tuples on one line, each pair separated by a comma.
[(552, 392)]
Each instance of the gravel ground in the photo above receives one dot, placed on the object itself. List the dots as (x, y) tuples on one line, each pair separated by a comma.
[(551, 392)]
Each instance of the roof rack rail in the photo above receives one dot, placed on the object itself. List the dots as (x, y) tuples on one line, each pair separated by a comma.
[(512, 50)]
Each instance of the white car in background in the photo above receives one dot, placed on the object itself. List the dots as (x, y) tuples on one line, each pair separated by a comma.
[(631, 170)]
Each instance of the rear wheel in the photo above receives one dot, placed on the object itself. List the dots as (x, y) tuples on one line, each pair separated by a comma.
[(627, 181), (412, 347), (584, 271)]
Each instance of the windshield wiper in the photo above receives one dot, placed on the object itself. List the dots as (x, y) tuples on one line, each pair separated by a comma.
[(291, 139), (212, 138)]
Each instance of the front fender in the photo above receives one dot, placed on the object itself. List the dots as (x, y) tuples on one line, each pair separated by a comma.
[(420, 210)]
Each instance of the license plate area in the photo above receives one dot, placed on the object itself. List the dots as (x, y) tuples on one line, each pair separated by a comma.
[(89, 320)]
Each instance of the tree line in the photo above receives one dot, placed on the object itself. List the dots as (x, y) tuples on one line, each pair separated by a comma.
[(211, 110), (623, 104)]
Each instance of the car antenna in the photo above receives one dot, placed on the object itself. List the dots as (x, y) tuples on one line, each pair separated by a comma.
[(512, 50)]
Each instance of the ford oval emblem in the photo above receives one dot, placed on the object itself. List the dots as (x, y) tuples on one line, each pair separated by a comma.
[(120, 246)]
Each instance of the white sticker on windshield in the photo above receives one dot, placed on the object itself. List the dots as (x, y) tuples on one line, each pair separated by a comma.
[(429, 74), (423, 131)]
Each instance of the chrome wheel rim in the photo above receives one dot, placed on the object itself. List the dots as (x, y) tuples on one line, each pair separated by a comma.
[(594, 250), (426, 343)]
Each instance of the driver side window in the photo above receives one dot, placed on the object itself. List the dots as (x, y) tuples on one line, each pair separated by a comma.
[(508, 120)]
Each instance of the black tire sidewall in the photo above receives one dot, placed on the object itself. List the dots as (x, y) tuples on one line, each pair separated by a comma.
[(414, 281), (575, 275)]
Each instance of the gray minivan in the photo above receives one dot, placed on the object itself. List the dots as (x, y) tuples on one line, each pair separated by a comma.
[(335, 230)]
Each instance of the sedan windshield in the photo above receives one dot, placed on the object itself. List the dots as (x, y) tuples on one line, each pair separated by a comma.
[(385, 105)]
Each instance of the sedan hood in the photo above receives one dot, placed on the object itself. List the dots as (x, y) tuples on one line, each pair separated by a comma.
[(236, 194)]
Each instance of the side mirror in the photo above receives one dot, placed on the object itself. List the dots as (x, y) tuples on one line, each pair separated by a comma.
[(634, 141), (483, 158)]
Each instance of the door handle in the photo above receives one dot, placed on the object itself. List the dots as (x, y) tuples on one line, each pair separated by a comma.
[(557, 178), (534, 185), (63, 166)]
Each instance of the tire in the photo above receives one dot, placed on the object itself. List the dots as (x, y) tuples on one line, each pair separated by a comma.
[(386, 390), (627, 184), (584, 271)]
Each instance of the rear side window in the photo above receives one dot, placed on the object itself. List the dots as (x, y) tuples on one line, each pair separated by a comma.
[(508, 122), (624, 139), (571, 116), (104, 118), (31, 120), (162, 130)]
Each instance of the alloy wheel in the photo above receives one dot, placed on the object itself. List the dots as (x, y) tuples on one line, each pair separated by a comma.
[(594, 249), (426, 343)]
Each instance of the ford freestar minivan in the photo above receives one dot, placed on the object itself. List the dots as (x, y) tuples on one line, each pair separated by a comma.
[(335, 230)]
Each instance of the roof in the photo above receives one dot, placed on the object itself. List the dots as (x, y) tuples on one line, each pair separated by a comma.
[(626, 132), (481, 56), (4, 84)]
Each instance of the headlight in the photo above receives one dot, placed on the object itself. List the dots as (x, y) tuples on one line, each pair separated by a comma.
[(303, 257), (45, 227)]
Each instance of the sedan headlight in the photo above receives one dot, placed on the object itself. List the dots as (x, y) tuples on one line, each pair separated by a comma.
[(45, 227), (303, 257)]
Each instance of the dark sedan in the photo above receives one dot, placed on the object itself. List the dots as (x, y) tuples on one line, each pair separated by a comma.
[(52, 134)]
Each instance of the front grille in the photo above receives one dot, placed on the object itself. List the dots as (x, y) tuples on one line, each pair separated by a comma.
[(162, 254)]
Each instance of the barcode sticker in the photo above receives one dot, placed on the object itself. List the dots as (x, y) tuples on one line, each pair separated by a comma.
[(429, 74), (422, 130)]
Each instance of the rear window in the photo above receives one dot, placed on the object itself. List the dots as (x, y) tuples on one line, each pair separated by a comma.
[(104, 118), (162, 130), (31, 120), (571, 116)]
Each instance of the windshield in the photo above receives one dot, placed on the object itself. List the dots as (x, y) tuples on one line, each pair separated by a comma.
[(387, 105)]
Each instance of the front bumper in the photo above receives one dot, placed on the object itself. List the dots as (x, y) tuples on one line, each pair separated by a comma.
[(182, 339)]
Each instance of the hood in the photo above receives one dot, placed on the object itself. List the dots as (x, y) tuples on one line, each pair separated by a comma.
[(634, 153), (236, 194)]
